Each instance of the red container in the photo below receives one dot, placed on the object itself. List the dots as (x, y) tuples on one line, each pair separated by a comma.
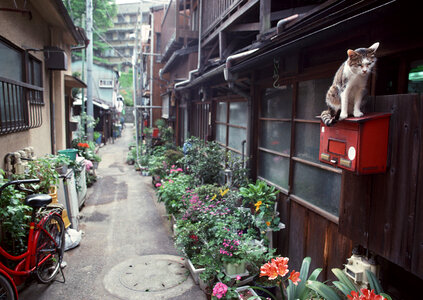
[(155, 132), (359, 145)]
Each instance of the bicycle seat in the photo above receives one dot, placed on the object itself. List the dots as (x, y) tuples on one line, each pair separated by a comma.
[(37, 200)]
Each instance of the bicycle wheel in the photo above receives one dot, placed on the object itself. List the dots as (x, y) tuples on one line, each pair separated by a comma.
[(6, 289), (50, 251)]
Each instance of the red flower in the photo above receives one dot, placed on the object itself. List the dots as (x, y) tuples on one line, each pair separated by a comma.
[(295, 277), (281, 265), (83, 145), (269, 270), (365, 295)]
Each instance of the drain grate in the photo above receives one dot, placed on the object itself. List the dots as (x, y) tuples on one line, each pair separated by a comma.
[(152, 275)]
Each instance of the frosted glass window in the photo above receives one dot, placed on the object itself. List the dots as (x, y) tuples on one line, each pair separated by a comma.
[(274, 168), (238, 113), (221, 111), (10, 62), (307, 141), (312, 98), (236, 136), (317, 186), (221, 133), (275, 136), (277, 103)]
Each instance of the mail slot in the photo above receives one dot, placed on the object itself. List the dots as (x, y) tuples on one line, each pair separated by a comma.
[(359, 145)]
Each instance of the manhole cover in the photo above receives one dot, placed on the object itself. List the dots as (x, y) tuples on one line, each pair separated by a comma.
[(153, 276), (149, 277)]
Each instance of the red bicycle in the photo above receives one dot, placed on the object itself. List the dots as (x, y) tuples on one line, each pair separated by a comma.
[(45, 248)]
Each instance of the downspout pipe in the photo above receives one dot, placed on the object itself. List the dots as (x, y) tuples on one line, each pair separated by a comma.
[(280, 26), (179, 85)]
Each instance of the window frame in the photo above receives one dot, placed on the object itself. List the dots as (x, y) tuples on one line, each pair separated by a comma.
[(292, 156), (27, 93), (227, 123)]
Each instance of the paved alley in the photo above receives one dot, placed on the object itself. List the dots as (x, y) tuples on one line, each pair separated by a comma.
[(127, 250)]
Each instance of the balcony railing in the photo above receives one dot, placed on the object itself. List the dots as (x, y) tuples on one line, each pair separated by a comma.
[(20, 106), (214, 11), (176, 27)]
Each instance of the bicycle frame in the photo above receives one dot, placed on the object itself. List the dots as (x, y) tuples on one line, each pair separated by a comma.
[(27, 261)]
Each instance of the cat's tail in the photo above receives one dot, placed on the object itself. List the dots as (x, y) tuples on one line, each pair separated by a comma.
[(328, 118)]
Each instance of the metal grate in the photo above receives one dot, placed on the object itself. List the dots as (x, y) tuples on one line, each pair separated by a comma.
[(20, 106)]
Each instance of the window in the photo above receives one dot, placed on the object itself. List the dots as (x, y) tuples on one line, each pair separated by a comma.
[(231, 125), (288, 147), (275, 135), (21, 92)]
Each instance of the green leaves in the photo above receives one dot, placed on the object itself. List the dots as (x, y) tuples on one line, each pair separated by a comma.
[(323, 290), (302, 291)]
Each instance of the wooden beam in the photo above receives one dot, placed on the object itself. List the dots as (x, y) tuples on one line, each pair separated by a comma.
[(265, 11), (246, 27)]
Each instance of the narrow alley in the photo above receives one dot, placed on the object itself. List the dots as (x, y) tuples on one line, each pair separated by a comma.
[(126, 251)]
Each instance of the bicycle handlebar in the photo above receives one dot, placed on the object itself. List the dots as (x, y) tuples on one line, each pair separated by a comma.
[(17, 182)]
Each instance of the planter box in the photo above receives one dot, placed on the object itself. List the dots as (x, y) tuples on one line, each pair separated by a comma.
[(232, 270), (246, 288), (195, 273)]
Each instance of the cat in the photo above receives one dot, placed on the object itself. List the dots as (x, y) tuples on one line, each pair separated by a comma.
[(349, 85)]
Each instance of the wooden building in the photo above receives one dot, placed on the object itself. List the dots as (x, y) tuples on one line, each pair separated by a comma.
[(253, 76)]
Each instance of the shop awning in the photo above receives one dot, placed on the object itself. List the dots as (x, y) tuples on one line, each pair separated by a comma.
[(74, 82)]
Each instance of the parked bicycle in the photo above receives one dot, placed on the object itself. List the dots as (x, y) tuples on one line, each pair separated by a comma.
[(45, 247)]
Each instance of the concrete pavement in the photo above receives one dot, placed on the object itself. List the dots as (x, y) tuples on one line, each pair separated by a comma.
[(127, 249)]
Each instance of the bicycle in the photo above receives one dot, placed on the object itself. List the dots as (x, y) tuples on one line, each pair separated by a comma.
[(45, 247)]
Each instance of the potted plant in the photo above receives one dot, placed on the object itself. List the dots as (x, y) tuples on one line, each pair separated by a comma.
[(43, 168), (246, 292), (60, 162)]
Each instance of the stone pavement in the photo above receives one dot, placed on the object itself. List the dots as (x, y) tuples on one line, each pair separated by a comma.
[(127, 249)]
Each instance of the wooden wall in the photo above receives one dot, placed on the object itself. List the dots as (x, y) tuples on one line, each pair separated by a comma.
[(384, 213)]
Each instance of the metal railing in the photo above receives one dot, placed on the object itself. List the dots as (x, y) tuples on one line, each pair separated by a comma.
[(20, 106)]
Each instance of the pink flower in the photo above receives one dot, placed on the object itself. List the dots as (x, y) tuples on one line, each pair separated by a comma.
[(158, 184), (238, 277), (220, 290), (171, 181)]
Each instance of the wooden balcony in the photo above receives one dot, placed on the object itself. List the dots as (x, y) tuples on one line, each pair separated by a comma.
[(177, 27), (218, 15)]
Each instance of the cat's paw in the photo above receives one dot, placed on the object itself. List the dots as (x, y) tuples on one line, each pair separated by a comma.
[(343, 116), (358, 114)]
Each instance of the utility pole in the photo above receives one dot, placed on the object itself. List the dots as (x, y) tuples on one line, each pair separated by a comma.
[(90, 107), (135, 84)]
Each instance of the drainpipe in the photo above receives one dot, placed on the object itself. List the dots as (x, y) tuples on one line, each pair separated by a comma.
[(200, 28), (151, 69), (282, 23), (52, 116)]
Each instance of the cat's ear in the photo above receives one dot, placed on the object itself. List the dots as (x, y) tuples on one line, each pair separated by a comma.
[(374, 47), (351, 53)]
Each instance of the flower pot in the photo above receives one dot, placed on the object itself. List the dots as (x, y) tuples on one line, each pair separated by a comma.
[(195, 273), (204, 286), (235, 268), (272, 288), (245, 292)]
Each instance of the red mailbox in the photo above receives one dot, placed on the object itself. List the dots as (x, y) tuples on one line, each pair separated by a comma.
[(358, 145)]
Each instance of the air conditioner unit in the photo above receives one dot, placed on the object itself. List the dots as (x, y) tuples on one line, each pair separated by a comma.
[(55, 58)]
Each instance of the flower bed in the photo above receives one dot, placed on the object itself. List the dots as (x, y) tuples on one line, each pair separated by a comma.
[(220, 224)]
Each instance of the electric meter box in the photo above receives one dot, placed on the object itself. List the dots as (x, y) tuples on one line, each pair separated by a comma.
[(359, 145)]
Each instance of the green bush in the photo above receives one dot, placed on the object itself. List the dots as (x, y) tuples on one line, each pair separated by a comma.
[(14, 219)]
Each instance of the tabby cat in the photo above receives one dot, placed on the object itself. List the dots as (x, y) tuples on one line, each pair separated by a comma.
[(349, 85)]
